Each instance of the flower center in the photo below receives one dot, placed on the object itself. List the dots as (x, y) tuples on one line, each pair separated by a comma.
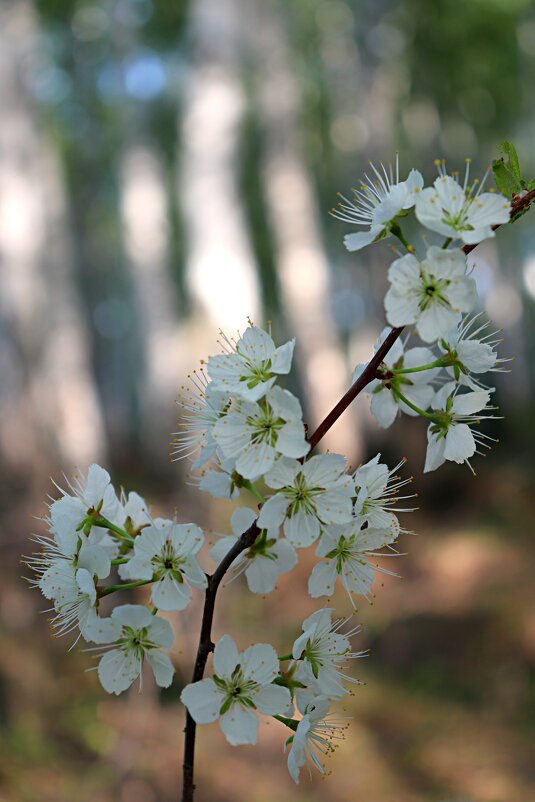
[(168, 562), (237, 689), (265, 427)]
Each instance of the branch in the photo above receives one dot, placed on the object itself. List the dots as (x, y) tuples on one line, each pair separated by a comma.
[(205, 647)]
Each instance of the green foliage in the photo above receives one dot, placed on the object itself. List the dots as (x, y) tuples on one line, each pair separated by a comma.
[(508, 177), (506, 171)]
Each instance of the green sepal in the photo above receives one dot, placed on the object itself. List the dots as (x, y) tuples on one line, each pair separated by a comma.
[(247, 702), (219, 682), (226, 705)]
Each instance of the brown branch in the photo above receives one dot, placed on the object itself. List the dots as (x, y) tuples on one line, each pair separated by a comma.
[(205, 647), (248, 538)]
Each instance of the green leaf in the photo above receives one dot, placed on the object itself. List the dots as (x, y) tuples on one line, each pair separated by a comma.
[(509, 151), (531, 185), (507, 171), (505, 179)]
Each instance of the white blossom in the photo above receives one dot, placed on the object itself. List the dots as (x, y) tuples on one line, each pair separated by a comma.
[(469, 352), (385, 402), (323, 652), (308, 496), (134, 513), (241, 686), (451, 436), (165, 552), (461, 212), (60, 558), (136, 634), (346, 549), (93, 494), (75, 600), (220, 481), (377, 203), (431, 294), (250, 366), (202, 406), (314, 737), (256, 433), (265, 561), (377, 488)]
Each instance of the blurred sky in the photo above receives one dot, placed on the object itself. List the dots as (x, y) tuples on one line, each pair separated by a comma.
[(167, 169)]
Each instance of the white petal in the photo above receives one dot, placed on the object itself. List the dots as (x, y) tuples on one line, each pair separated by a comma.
[(132, 615), (219, 485), (103, 630), (273, 511), (160, 632), (435, 452), (226, 656), (420, 394), (262, 575), (255, 459), (222, 547), (242, 519), (256, 344), (322, 579), (384, 408), (435, 321), (430, 214), (186, 538), (335, 506), (462, 294), (162, 667), (117, 670), (323, 469), (284, 404), (302, 529), (193, 573), (203, 700), (320, 619), (239, 726), (282, 473), (489, 208), (272, 699), (414, 358), (260, 663), (358, 240), (401, 310), (291, 440), (96, 560), (136, 568), (281, 361), (459, 443), (405, 272), (470, 403), (169, 594)]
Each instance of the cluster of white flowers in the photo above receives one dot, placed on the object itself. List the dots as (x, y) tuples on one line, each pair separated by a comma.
[(245, 435), (433, 297)]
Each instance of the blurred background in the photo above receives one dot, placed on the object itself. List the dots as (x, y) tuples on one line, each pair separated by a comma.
[(167, 169)]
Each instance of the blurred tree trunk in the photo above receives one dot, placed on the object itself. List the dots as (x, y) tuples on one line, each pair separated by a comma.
[(221, 272), (49, 408), (302, 265)]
